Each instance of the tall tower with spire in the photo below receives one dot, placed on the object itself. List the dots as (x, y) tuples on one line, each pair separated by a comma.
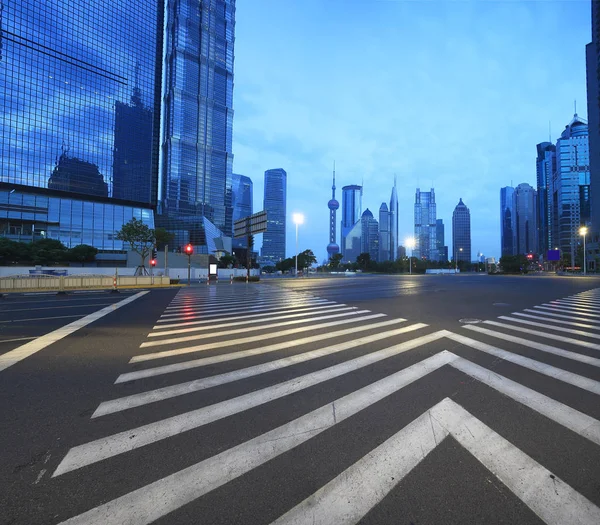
[(333, 205)]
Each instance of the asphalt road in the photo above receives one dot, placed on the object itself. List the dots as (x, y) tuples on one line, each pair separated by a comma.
[(365, 399)]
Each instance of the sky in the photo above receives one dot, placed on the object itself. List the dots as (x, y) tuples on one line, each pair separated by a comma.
[(451, 94)]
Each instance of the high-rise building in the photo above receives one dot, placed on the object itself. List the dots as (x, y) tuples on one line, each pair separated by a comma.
[(425, 226), (506, 221), (571, 187), (593, 107), (333, 205), (545, 168), (241, 200), (351, 213), (384, 234), (525, 219), (394, 242), (197, 119), (440, 246), (369, 235), (461, 232), (67, 68), (273, 248)]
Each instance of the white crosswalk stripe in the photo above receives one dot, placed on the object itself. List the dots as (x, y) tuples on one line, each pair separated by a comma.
[(357, 489)]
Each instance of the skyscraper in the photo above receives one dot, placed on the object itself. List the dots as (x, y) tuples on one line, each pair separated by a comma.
[(394, 242), (242, 199), (461, 232), (525, 219), (506, 221), (425, 225), (593, 107), (197, 118), (333, 205), (273, 248), (369, 235), (351, 213), (545, 168), (571, 186), (384, 234), (440, 244)]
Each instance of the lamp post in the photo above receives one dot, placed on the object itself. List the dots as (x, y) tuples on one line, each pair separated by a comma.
[(456, 260), (410, 243), (298, 219), (583, 231)]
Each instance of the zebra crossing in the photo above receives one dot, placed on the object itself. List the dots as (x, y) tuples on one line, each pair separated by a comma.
[(205, 328)]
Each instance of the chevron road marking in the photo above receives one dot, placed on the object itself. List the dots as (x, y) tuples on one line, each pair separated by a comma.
[(187, 365), (540, 312), (557, 328), (241, 307), (568, 309), (582, 306), (557, 321)]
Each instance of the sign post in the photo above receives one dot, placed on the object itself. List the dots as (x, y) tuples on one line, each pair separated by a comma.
[(248, 227)]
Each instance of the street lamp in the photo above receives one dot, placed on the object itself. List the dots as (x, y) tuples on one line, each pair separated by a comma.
[(456, 260), (298, 219), (583, 231), (410, 243)]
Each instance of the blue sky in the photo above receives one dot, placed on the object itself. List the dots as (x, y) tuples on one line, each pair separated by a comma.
[(450, 94)]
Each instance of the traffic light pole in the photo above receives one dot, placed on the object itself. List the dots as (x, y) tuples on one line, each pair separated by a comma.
[(189, 268)]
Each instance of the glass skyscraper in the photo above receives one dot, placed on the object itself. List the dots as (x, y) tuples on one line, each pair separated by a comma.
[(197, 118), (79, 96), (506, 221), (351, 212), (525, 219), (273, 248), (593, 107), (394, 223), (384, 233), (425, 225), (242, 199), (461, 232), (369, 235), (545, 168)]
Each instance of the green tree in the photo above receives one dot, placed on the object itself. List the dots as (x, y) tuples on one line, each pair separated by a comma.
[(139, 236), (335, 260), (48, 252), (306, 259), (12, 252), (364, 261), (286, 265), (82, 253), (227, 260), (162, 238), (514, 263)]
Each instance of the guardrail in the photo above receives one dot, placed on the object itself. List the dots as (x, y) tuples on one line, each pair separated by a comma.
[(25, 283)]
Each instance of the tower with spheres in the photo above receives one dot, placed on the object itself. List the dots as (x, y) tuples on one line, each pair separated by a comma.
[(333, 205)]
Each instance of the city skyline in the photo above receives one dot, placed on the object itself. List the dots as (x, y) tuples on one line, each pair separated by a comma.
[(467, 122)]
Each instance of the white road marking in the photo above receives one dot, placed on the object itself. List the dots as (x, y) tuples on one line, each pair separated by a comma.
[(160, 394), (549, 327), (247, 316), (128, 440), (42, 318), (203, 312), (551, 314), (240, 307), (251, 321), (565, 307), (54, 307), (251, 339), (554, 337), (566, 310), (240, 301), (347, 498), (538, 346), (221, 358), (559, 321), (583, 302), (149, 503), (28, 349), (575, 305), (551, 371), (17, 339)]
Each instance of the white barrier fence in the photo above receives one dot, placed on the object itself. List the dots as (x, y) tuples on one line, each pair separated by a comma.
[(64, 283)]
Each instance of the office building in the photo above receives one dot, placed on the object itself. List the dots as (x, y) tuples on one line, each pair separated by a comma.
[(197, 118), (441, 248), (273, 248), (394, 242), (351, 213), (425, 226), (461, 232), (525, 219), (506, 221), (241, 201), (384, 234), (571, 187), (369, 235), (545, 168), (593, 111), (72, 74), (333, 205)]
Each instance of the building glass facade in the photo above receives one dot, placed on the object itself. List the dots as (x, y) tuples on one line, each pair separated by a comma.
[(384, 233), (242, 199), (369, 235), (197, 119), (425, 225), (525, 219), (545, 167), (506, 221), (394, 222), (461, 232), (273, 248), (593, 107), (440, 240), (68, 71), (351, 212)]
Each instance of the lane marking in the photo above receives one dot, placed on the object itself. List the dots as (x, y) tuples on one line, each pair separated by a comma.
[(221, 358), (550, 327), (566, 311), (212, 335), (578, 306), (578, 302), (574, 318), (54, 307), (247, 316), (204, 309), (252, 321), (347, 498), (563, 308), (251, 339), (28, 349), (17, 339), (129, 440), (149, 503), (42, 318), (538, 346), (160, 394), (554, 337), (227, 304), (546, 319)]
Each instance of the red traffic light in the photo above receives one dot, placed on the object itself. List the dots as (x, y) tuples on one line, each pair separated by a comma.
[(189, 249), (529, 256), (152, 262)]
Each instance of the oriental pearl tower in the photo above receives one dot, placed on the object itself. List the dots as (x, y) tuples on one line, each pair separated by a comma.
[(333, 205)]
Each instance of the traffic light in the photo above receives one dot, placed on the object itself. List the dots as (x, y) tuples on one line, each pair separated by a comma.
[(154, 254), (153, 262), (189, 249)]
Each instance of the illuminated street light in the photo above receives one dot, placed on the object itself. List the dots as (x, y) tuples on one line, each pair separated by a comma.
[(583, 231), (298, 219), (410, 243)]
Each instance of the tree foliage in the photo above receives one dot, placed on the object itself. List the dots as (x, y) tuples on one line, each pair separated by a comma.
[(82, 253), (139, 236), (45, 252), (162, 238)]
